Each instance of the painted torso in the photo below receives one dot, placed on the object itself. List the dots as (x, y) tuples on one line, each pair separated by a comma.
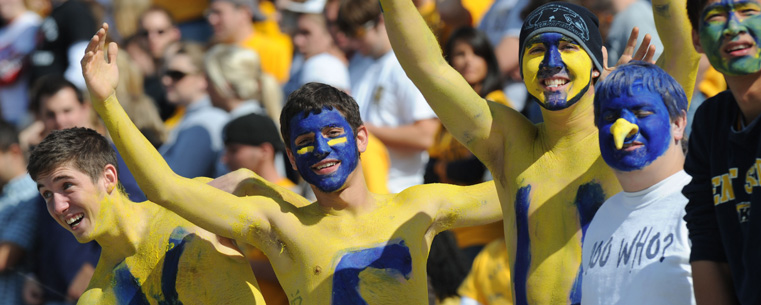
[(554, 190), (377, 257), (177, 263)]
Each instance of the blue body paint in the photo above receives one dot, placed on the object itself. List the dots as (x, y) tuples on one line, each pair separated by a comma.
[(332, 140), (645, 109), (589, 197), (392, 257), (523, 251), (127, 288), (178, 238), (553, 65)]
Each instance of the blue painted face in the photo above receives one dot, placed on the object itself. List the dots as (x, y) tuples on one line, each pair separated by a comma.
[(640, 124), (556, 70), (729, 35), (324, 148)]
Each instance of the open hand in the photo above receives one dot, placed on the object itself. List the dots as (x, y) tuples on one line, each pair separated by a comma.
[(645, 52), (100, 70)]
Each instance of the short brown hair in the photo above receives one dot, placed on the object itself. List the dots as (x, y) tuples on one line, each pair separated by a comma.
[(354, 14), (83, 148)]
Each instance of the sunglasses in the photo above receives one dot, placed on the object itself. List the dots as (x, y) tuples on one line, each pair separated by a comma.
[(175, 75)]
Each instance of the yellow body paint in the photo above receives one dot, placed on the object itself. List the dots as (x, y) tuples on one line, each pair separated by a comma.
[(578, 64), (173, 261), (549, 176), (621, 130), (320, 255)]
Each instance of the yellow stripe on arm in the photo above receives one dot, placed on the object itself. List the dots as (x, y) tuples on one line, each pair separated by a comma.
[(212, 209), (679, 57)]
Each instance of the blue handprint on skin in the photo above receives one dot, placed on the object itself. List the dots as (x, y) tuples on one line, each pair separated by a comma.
[(392, 257)]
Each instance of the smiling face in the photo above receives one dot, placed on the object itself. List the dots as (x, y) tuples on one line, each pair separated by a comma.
[(556, 70), (729, 35), (472, 67), (323, 148), (640, 123), (73, 200)]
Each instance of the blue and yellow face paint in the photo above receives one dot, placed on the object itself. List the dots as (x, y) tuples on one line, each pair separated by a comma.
[(722, 27), (325, 149), (556, 70), (634, 130)]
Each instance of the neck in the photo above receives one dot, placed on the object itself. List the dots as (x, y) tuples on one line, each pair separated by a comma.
[(572, 123), (669, 164), (243, 33), (354, 198), (747, 92), (232, 103), (125, 225), (268, 172)]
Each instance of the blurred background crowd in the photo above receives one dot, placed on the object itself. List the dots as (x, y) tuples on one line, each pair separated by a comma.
[(204, 80)]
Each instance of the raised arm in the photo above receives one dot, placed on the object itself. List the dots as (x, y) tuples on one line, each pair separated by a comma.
[(454, 206), (679, 57), (210, 208), (465, 114)]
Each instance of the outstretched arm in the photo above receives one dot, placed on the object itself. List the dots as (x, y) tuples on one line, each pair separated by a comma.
[(679, 57), (210, 208), (465, 114), (463, 206)]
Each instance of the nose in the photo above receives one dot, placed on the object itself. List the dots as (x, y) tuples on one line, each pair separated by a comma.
[(734, 26), (552, 63), (623, 129), (321, 147), (59, 204)]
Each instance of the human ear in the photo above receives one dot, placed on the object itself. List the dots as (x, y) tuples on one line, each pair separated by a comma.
[(678, 126), (696, 41), (110, 178), (291, 159), (362, 138)]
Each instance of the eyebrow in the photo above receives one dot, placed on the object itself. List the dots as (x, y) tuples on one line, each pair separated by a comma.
[(56, 179)]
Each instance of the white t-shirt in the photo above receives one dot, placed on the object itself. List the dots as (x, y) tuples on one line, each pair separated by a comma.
[(17, 40), (636, 249), (386, 97)]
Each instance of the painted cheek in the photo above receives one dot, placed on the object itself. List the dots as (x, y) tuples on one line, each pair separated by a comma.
[(530, 65), (579, 67)]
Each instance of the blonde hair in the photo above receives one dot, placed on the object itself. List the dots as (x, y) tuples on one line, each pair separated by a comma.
[(127, 15), (236, 72), (139, 107)]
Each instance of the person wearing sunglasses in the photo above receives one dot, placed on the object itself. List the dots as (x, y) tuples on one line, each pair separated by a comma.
[(194, 146)]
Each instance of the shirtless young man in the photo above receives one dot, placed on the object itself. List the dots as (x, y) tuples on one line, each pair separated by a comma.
[(149, 254), (550, 176), (350, 246)]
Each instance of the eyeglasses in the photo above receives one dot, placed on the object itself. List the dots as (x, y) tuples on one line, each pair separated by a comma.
[(175, 75)]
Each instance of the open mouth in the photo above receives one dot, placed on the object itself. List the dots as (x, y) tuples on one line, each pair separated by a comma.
[(738, 49), (555, 84), (326, 167), (74, 220), (629, 146)]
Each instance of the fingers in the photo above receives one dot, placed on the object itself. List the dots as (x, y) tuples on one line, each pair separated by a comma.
[(643, 48), (650, 57), (113, 49), (632, 43)]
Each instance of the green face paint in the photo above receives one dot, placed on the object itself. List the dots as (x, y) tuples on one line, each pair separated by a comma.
[(729, 35)]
